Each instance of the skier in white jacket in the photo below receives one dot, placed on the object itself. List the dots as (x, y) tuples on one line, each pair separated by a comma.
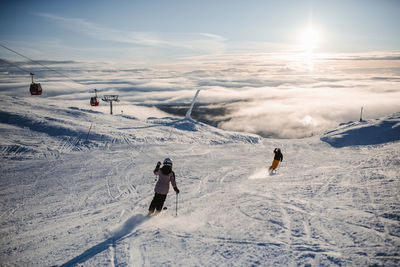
[(165, 176)]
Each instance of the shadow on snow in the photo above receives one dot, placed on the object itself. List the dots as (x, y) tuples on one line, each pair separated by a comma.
[(121, 233)]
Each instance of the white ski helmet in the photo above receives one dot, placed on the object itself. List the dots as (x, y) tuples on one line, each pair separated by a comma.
[(167, 162)]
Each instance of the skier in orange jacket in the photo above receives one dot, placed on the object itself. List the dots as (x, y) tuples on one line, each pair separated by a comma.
[(277, 158)]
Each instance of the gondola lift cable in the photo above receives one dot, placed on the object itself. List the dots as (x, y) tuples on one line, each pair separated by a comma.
[(37, 62), (14, 65)]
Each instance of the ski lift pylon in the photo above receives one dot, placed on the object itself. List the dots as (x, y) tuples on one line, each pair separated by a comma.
[(110, 99), (94, 101), (35, 88)]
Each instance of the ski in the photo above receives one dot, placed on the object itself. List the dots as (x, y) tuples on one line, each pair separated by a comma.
[(156, 213)]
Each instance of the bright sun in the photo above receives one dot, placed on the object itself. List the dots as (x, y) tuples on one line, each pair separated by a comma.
[(309, 39)]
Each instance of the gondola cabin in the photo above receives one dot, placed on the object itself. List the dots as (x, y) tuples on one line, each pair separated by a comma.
[(35, 88), (94, 101)]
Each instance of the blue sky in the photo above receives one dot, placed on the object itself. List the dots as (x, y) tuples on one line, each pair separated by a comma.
[(169, 30)]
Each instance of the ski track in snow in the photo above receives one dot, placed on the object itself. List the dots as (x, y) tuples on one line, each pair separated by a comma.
[(68, 202)]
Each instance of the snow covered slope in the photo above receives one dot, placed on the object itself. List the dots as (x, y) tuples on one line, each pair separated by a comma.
[(29, 125), (67, 201)]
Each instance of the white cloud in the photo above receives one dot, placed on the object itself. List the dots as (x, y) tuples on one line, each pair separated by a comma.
[(202, 42), (262, 92)]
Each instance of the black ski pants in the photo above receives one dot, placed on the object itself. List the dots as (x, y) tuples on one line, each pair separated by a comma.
[(157, 203)]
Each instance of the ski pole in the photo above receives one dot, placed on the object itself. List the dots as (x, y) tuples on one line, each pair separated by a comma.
[(176, 204)]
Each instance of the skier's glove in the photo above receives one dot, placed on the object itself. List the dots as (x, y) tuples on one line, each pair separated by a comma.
[(157, 167), (176, 190)]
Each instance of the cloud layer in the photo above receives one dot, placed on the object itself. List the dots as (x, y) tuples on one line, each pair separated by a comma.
[(280, 95)]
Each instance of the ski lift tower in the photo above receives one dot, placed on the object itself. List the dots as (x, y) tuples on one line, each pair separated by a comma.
[(110, 99)]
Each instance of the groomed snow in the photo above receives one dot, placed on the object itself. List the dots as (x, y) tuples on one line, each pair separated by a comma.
[(67, 201)]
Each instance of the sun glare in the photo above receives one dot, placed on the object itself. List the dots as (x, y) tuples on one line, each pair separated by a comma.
[(309, 39)]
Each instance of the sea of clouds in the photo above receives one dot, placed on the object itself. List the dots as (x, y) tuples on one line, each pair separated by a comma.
[(279, 95)]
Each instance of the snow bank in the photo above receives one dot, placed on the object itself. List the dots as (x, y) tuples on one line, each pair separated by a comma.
[(371, 132), (206, 132)]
